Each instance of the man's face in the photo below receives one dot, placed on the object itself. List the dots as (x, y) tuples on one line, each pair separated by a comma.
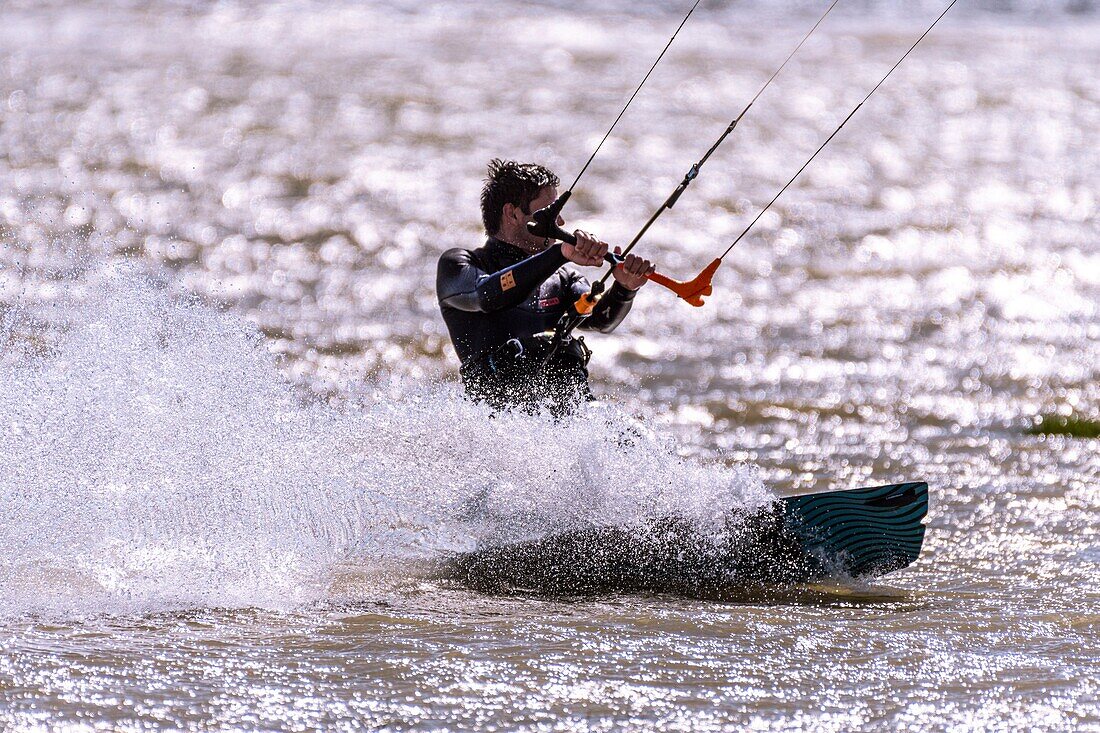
[(545, 198)]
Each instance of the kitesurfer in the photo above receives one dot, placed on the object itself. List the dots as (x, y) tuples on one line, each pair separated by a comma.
[(502, 300)]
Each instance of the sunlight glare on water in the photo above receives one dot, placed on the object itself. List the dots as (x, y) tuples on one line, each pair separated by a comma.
[(233, 450)]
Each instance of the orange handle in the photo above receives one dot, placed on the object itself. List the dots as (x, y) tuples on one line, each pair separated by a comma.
[(693, 291)]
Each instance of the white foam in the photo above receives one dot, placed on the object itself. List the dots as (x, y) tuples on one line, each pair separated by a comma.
[(158, 459)]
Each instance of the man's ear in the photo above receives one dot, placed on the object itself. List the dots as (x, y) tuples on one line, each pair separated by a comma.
[(506, 212)]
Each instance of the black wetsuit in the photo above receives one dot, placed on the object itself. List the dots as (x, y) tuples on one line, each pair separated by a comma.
[(496, 300)]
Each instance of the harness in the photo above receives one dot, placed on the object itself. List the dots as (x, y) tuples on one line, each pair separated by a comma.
[(545, 370)]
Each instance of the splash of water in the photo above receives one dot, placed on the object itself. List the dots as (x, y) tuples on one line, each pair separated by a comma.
[(157, 458)]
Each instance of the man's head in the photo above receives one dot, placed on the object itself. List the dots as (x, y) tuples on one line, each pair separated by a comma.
[(512, 192)]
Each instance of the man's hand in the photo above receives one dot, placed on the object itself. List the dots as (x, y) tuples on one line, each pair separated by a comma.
[(632, 274), (588, 251)]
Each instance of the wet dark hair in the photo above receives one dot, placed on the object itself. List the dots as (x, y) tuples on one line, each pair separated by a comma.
[(509, 182)]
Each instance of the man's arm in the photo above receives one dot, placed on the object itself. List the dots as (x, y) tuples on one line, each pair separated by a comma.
[(610, 311), (462, 285), (613, 307)]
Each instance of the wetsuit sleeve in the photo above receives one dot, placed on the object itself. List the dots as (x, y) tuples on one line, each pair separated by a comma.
[(462, 285), (610, 311)]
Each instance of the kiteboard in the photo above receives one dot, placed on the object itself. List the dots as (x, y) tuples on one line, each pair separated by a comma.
[(799, 539)]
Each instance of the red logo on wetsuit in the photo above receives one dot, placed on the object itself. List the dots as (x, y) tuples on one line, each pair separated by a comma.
[(547, 302)]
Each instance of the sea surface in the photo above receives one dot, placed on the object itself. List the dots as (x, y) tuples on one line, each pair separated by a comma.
[(233, 452)]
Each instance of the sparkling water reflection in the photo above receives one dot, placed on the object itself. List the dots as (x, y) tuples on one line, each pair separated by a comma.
[(189, 544)]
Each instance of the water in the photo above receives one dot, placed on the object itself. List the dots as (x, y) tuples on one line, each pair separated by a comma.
[(232, 447)]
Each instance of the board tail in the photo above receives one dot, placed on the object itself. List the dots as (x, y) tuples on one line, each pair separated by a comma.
[(861, 532)]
